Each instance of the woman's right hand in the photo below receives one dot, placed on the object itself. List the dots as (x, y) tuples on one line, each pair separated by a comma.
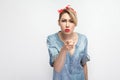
[(68, 45)]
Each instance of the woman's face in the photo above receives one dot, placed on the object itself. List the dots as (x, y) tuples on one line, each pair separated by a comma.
[(66, 24)]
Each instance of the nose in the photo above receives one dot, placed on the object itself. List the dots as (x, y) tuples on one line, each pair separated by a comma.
[(67, 24)]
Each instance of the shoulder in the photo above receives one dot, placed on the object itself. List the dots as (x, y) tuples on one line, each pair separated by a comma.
[(82, 36), (82, 40), (52, 38)]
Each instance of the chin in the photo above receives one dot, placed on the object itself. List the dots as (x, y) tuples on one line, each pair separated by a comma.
[(67, 32)]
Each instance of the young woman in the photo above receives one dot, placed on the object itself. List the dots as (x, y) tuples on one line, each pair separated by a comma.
[(68, 49)]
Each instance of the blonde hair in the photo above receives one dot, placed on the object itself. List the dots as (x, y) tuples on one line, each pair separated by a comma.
[(71, 13)]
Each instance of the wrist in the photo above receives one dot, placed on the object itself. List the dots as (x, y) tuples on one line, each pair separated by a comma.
[(63, 50)]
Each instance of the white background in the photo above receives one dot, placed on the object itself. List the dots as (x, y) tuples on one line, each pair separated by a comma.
[(25, 24)]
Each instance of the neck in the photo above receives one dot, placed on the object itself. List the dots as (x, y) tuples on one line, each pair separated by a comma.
[(67, 36)]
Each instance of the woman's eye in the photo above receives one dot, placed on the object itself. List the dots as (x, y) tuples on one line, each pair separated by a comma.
[(71, 21), (63, 20)]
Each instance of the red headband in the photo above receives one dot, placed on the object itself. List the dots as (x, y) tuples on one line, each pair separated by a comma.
[(67, 7)]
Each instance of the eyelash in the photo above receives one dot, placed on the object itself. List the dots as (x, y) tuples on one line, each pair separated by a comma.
[(71, 21), (63, 20)]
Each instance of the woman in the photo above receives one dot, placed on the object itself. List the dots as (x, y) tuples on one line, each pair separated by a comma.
[(68, 49)]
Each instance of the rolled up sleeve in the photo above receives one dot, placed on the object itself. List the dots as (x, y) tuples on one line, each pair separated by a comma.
[(85, 57), (53, 52)]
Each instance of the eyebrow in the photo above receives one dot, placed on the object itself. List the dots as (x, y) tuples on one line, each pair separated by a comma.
[(64, 18)]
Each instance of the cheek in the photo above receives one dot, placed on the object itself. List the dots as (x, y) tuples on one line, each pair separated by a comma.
[(62, 25), (72, 26)]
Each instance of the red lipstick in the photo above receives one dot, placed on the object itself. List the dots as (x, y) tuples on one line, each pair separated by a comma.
[(67, 30)]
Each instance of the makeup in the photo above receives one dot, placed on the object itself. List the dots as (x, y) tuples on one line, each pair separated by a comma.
[(67, 30)]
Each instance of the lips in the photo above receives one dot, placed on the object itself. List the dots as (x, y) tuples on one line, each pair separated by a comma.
[(67, 30)]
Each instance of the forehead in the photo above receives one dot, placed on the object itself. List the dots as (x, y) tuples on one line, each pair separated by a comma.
[(65, 16)]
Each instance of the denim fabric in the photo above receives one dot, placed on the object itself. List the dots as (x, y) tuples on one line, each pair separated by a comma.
[(73, 67)]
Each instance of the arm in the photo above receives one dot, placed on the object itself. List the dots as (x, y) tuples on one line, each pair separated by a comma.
[(57, 59), (85, 71), (59, 62)]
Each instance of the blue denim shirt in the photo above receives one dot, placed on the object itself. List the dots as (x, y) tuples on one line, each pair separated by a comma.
[(73, 67)]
